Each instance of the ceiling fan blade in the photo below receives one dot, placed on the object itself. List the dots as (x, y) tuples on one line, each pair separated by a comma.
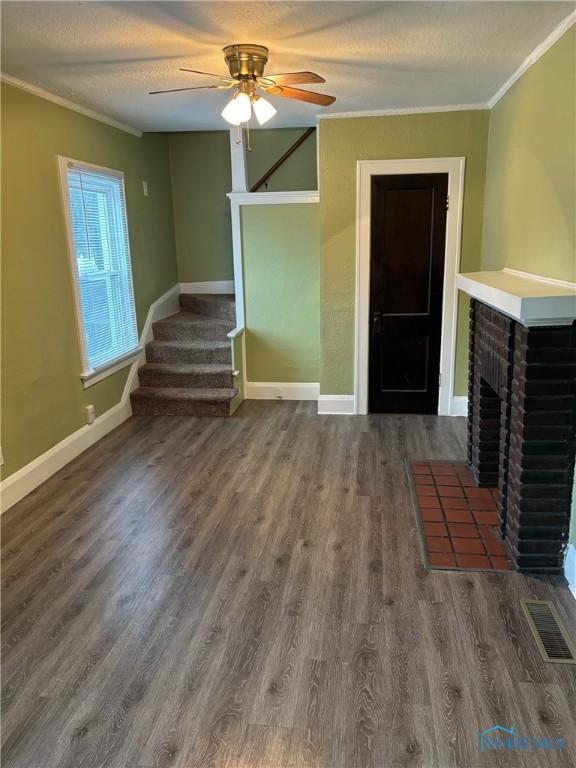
[(293, 78), (194, 88), (297, 93), (208, 74)]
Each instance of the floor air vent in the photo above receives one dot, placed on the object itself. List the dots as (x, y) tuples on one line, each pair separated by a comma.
[(551, 637)]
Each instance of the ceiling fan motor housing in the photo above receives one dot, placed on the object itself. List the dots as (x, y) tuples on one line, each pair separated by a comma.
[(246, 60)]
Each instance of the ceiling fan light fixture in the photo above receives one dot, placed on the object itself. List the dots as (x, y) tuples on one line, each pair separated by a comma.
[(238, 109), (246, 63), (263, 109)]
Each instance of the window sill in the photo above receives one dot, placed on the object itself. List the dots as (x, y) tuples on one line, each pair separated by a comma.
[(101, 373)]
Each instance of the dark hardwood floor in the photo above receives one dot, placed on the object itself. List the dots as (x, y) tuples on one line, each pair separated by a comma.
[(248, 593)]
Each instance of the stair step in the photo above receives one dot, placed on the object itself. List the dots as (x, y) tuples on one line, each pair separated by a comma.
[(188, 326), (157, 401), (188, 370), (189, 352), (193, 375), (221, 305)]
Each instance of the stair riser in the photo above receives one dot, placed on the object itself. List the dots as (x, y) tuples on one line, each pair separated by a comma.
[(158, 354), (147, 407), (170, 379), (190, 332), (225, 310)]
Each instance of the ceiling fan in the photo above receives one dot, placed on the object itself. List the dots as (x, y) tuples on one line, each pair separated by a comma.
[(246, 64)]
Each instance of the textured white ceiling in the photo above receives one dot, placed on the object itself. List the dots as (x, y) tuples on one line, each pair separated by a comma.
[(374, 55)]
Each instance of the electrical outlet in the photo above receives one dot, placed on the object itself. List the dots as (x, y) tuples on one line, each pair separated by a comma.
[(90, 413), (145, 188)]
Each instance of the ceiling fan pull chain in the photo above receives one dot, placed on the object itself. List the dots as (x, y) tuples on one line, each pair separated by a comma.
[(248, 147)]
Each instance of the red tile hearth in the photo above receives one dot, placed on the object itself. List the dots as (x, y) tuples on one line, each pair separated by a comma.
[(458, 521)]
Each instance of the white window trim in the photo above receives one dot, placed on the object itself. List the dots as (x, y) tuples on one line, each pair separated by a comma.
[(103, 371), (454, 167), (88, 375)]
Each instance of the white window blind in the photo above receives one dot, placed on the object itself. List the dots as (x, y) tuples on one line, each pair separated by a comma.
[(99, 232)]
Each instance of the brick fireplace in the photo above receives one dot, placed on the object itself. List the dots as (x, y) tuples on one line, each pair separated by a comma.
[(521, 430)]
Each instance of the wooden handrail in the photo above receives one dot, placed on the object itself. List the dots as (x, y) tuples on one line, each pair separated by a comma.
[(278, 163)]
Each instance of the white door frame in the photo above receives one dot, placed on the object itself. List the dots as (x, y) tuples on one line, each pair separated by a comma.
[(454, 167)]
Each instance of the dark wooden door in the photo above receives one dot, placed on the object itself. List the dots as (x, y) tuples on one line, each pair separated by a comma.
[(408, 236)]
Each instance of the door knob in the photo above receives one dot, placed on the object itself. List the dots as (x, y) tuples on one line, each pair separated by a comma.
[(376, 322)]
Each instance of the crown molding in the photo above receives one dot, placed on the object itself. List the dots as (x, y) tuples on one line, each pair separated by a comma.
[(40, 92), (403, 111), (534, 56), (531, 59)]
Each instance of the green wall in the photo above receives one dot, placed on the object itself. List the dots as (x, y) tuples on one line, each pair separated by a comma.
[(342, 143), (42, 395), (530, 208), (280, 245), (296, 174), (201, 179)]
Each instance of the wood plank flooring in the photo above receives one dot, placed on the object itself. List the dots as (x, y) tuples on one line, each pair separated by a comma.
[(248, 593)]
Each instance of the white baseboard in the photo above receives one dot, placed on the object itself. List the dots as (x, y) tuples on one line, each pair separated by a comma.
[(343, 405), (459, 406), (25, 480), (280, 390), (211, 286), (570, 568)]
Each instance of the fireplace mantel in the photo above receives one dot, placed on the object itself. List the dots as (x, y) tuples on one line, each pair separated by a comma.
[(529, 299)]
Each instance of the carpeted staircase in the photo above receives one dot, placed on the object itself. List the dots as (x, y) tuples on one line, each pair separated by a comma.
[(189, 364)]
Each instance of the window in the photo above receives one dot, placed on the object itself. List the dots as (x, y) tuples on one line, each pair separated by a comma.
[(100, 255)]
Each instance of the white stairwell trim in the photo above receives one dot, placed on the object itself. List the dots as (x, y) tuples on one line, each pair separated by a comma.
[(459, 406), (164, 306), (29, 477), (281, 390), (210, 286), (337, 405)]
